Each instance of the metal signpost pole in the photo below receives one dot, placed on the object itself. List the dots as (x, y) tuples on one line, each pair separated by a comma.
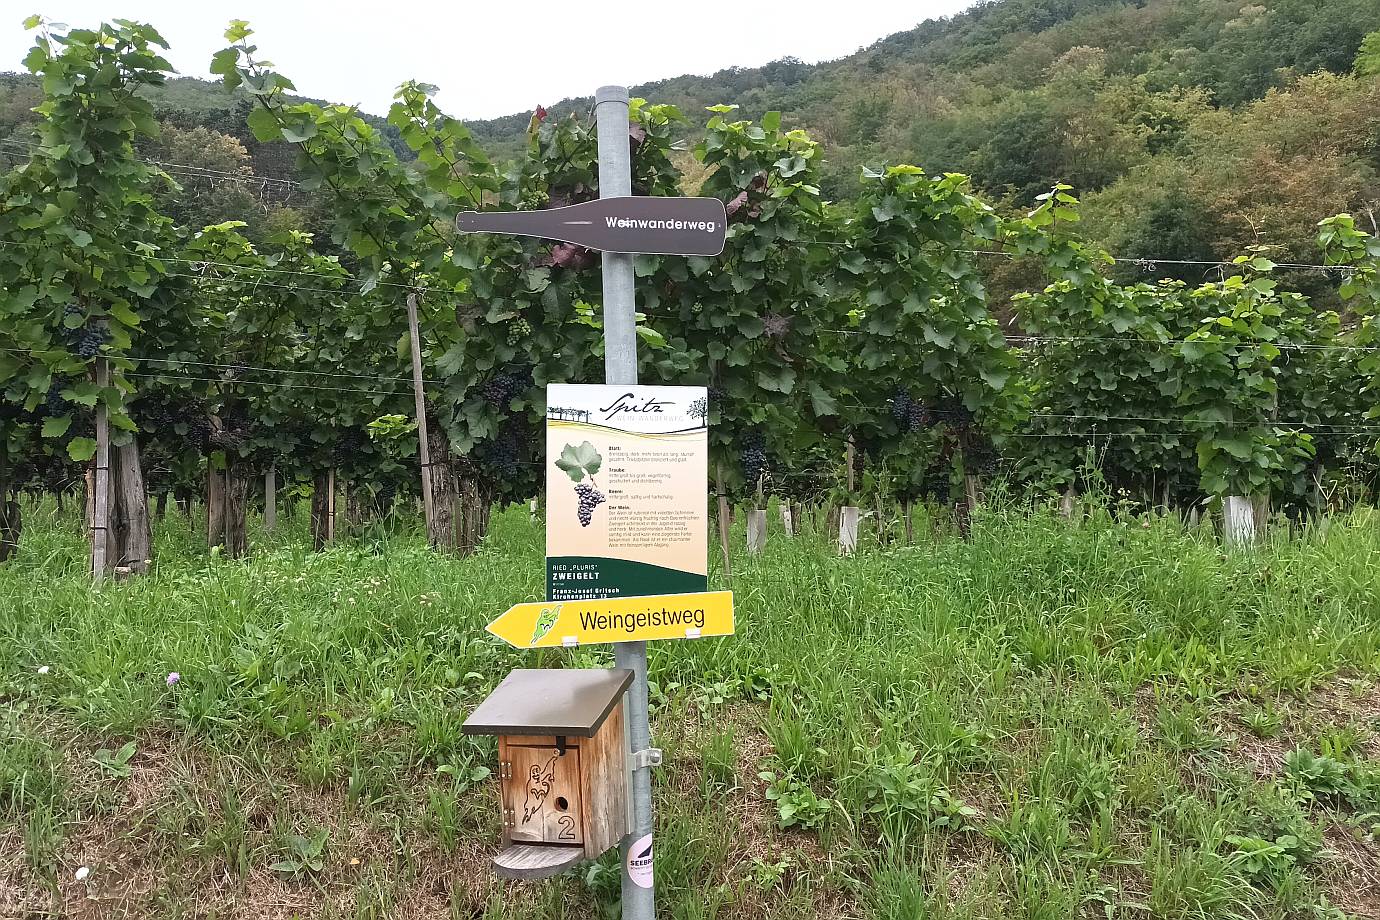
[(620, 366)]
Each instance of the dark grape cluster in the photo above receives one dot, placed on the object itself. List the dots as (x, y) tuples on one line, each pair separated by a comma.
[(979, 454), (161, 415), (235, 426), (754, 457), (911, 415), (349, 444), (89, 339), (590, 498), (53, 403), (518, 330), (500, 389), (153, 415), (952, 412), (503, 454), (937, 483), (196, 423)]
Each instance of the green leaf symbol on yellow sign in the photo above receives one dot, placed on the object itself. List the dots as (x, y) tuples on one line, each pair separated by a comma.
[(545, 621)]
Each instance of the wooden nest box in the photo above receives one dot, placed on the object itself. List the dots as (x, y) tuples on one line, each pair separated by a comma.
[(563, 766)]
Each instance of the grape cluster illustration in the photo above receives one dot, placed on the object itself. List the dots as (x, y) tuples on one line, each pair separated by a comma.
[(590, 498), (580, 464)]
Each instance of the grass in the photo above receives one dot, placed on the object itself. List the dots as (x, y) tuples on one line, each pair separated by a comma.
[(1113, 719)]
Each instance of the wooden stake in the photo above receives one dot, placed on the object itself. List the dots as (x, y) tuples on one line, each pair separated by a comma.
[(236, 508), (723, 522), (215, 504), (271, 499), (1238, 520), (100, 517), (756, 531), (848, 530), (852, 476), (1260, 506), (10, 515), (973, 490), (419, 398), (134, 543), (330, 506), (1066, 503), (320, 506)]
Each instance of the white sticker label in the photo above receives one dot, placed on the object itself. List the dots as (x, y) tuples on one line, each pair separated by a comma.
[(640, 862)]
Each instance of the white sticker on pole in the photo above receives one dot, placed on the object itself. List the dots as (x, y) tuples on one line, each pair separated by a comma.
[(640, 862)]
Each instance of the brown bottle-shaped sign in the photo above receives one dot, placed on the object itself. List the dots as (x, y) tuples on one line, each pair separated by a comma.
[(662, 226)]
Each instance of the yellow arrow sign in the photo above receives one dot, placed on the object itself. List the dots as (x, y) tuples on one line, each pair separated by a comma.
[(616, 619)]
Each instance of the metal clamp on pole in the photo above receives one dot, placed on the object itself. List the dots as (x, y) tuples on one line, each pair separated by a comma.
[(644, 759)]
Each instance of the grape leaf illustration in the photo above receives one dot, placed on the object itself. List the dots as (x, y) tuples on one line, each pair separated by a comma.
[(545, 622), (576, 462)]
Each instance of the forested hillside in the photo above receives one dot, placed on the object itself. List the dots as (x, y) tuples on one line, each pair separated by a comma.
[(1192, 128)]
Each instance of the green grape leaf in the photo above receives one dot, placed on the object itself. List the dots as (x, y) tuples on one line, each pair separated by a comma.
[(81, 449), (56, 426), (576, 462)]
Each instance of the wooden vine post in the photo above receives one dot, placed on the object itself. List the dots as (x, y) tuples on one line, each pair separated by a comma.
[(132, 535), (1238, 520), (271, 499), (10, 517), (215, 503), (100, 509), (419, 399), (757, 523), (848, 514), (236, 501), (330, 506), (723, 521)]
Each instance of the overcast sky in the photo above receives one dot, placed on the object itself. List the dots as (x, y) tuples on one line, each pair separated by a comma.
[(492, 58)]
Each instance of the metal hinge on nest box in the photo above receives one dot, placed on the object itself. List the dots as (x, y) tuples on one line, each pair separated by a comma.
[(509, 817), (505, 769), (651, 757)]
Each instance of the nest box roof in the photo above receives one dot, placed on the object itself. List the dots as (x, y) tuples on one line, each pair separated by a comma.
[(544, 701)]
